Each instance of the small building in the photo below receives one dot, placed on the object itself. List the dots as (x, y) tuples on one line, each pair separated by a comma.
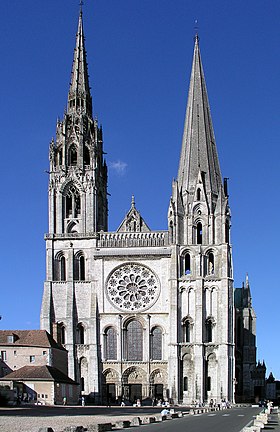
[(20, 348), (41, 384)]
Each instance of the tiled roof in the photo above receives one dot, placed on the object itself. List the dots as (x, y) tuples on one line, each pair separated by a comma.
[(40, 338), (38, 373)]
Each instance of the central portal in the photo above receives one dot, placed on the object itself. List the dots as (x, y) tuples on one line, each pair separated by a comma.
[(135, 392)]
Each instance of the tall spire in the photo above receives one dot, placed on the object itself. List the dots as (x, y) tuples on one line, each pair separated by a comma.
[(79, 97), (199, 153)]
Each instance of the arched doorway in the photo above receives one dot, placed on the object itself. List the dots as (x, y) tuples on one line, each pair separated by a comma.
[(111, 381), (134, 381), (158, 383)]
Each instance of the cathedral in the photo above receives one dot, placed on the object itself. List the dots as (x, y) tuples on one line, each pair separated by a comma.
[(143, 314)]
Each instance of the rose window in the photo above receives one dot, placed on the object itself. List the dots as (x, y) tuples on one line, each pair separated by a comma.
[(132, 287)]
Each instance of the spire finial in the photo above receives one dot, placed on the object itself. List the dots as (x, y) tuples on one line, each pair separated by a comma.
[(81, 6), (196, 37), (132, 201)]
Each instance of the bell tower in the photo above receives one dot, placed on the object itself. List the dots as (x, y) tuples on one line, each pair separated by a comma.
[(78, 173), (199, 225)]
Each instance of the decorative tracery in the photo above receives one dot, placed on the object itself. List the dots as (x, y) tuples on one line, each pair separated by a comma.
[(132, 287)]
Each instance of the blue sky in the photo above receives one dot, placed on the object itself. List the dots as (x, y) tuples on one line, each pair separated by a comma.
[(139, 55)]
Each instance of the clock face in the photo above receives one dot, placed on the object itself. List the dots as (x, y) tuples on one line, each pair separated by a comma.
[(132, 287)]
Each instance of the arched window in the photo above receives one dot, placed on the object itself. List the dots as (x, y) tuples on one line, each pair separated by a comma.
[(80, 334), (82, 384), (171, 232), (61, 333), (227, 231), (199, 233), (60, 157), (86, 156), (198, 195), (156, 344), (72, 202), (79, 267), (60, 268), (185, 383), (211, 268), (209, 330), (134, 341), (72, 155), (187, 264), (187, 327), (110, 344)]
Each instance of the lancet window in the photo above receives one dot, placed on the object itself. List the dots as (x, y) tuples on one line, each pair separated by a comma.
[(80, 334), (60, 268), (72, 155), (110, 344), (156, 343), (133, 341), (79, 267), (72, 202)]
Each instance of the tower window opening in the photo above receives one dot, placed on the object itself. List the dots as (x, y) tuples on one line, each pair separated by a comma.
[(72, 156), (211, 268), (80, 334), (185, 383), (79, 268), (61, 334), (86, 156), (209, 331), (227, 231), (62, 269), (199, 233), (60, 157), (187, 264), (187, 331), (198, 195), (72, 203)]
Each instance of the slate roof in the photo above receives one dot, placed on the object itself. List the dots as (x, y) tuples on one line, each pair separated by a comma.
[(38, 373), (32, 338)]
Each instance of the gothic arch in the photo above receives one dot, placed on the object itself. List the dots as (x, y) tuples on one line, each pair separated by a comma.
[(156, 343), (110, 376), (134, 375), (158, 376), (133, 333), (79, 266), (110, 343), (81, 333), (61, 333), (72, 155), (186, 262), (83, 366), (60, 267)]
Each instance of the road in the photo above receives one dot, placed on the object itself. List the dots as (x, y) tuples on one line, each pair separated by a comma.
[(232, 420), (30, 418)]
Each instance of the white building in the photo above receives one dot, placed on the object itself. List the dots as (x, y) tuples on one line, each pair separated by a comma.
[(142, 313)]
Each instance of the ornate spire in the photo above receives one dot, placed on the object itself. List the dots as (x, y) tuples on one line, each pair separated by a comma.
[(199, 153), (79, 97)]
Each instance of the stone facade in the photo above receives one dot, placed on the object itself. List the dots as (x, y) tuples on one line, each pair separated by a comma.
[(143, 314)]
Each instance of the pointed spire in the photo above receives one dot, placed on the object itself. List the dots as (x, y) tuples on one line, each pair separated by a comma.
[(198, 146), (79, 96), (132, 201)]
